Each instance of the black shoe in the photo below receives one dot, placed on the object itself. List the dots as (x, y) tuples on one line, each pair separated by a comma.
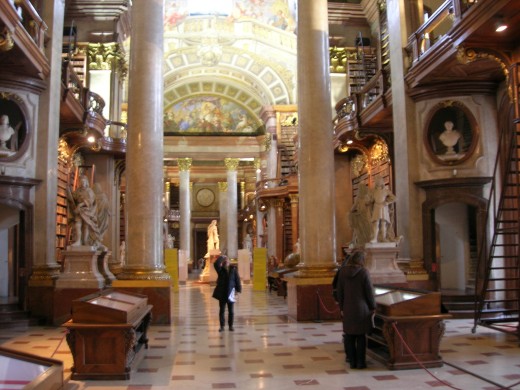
[(221, 329), (353, 366), (361, 366), (231, 329)]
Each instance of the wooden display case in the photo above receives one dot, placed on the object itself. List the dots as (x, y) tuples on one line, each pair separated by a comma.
[(20, 370), (408, 329), (107, 334)]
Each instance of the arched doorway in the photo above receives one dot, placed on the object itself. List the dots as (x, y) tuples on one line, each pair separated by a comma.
[(464, 197), (16, 237)]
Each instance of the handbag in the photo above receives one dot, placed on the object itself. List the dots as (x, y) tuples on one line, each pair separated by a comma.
[(232, 297)]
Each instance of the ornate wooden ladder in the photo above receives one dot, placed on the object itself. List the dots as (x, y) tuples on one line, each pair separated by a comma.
[(497, 285)]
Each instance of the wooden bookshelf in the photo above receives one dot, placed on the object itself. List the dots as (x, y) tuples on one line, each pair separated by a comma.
[(62, 210), (360, 69)]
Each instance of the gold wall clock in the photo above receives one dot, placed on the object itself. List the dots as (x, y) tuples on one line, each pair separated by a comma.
[(205, 197)]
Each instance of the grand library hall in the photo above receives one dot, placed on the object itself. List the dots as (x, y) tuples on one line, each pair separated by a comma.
[(142, 140)]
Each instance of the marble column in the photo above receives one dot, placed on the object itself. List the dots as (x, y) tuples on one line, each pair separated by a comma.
[(316, 159), (185, 205), (259, 213), (144, 161), (277, 205), (45, 267), (222, 204), (232, 232), (408, 203), (311, 285), (294, 218)]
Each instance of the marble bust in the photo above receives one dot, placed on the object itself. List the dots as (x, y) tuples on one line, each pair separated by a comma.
[(6, 132), (449, 138)]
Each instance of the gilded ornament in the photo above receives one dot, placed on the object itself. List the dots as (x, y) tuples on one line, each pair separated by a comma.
[(184, 163), (231, 163), (379, 152), (6, 40), (358, 164)]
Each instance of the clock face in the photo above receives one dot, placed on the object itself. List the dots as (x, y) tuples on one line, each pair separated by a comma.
[(205, 197)]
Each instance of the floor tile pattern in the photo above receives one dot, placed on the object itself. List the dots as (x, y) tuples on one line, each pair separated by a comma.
[(270, 351)]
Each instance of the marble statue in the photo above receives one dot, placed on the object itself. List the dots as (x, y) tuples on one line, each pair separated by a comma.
[(102, 211), (122, 252), (380, 198), (6, 132), (359, 218), (450, 138), (213, 240), (248, 243), (83, 207)]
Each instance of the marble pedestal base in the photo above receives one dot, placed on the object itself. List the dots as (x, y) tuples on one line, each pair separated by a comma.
[(209, 274), (103, 267), (381, 262), (81, 268)]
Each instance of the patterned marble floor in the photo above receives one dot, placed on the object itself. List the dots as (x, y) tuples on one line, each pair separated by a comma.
[(268, 351)]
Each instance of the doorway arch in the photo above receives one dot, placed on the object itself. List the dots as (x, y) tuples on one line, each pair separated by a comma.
[(15, 194), (468, 191)]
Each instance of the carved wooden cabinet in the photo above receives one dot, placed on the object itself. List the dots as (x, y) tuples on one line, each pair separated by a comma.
[(107, 334), (408, 329)]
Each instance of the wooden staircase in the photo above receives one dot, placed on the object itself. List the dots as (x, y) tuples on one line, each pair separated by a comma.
[(498, 274), (12, 317)]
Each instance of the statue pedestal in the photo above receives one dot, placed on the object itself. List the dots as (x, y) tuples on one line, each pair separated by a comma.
[(81, 268), (102, 263), (381, 262), (244, 265), (209, 274)]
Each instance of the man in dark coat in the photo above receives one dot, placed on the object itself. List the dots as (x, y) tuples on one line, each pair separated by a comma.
[(228, 285), (357, 305)]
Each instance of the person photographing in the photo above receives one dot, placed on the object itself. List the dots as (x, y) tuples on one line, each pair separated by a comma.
[(226, 290)]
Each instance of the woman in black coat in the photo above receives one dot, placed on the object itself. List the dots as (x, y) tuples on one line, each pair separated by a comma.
[(227, 281), (357, 304)]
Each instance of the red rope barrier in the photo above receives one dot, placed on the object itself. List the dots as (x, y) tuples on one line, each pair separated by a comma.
[(418, 361), (323, 305)]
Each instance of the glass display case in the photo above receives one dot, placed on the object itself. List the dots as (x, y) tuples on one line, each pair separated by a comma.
[(408, 327), (19, 370)]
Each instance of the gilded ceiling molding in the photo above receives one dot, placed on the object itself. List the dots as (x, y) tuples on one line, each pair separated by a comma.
[(184, 163), (468, 55), (231, 163)]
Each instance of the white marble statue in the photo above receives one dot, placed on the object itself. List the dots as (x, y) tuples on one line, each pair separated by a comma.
[(6, 132), (213, 240), (450, 138), (248, 243), (380, 198), (90, 213)]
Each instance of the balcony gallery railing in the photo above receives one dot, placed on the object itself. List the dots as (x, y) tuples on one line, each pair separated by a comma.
[(436, 26), (30, 20)]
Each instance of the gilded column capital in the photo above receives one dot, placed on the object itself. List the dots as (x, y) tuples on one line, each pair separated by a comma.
[(257, 163), (222, 186), (184, 163), (167, 186), (294, 198), (231, 163)]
